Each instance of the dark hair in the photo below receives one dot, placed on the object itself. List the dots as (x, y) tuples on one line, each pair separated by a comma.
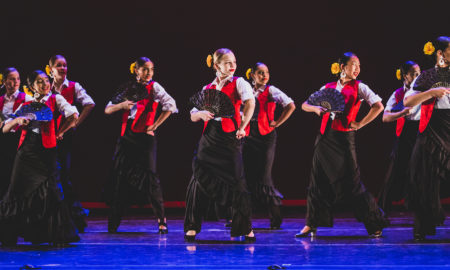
[(8, 71), (53, 59), (441, 43), (141, 61), (406, 67), (32, 77), (256, 66), (343, 60)]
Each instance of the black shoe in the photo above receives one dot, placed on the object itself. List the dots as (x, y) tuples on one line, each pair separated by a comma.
[(228, 224), (112, 227), (163, 231), (376, 234), (275, 227), (419, 237), (189, 238), (250, 239), (311, 231)]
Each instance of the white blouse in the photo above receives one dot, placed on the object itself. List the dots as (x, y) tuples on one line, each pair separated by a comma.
[(81, 95), (8, 106), (277, 95)]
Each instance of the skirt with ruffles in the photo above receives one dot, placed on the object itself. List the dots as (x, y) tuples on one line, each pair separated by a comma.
[(258, 155), (33, 207), (218, 177), (335, 179), (397, 176), (133, 178), (8, 146), (430, 173)]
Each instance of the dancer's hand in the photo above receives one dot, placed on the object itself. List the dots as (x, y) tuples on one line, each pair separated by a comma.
[(439, 92), (21, 121), (355, 125), (151, 128), (319, 110), (240, 133), (273, 124), (205, 115), (127, 105), (406, 111)]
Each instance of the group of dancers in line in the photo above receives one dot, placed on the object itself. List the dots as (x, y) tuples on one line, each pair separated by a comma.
[(38, 204)]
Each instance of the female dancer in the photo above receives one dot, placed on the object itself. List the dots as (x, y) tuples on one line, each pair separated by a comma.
[(33, 207), (134, 178), (259, 146), (430, 160), (218, 172), (9, 102), (335, 174), (74, 93), (394, 188)]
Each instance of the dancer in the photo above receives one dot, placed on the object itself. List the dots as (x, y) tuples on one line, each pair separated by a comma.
[(396, 180), (134, 178), (33, 207), (335, 174), (218, 173), (259, 146), (9, 102), (430, 160), (74, 93)]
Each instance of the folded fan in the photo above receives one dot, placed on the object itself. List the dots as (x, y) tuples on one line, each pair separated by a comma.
[(132, 91), (34, 111), (213, 101), (328, 98)]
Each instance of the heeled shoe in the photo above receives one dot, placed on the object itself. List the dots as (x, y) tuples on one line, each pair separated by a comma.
[(163, 231), (312, 231), (250, 239), (228, 224), (419, 237), (189, 238), (376, 234)]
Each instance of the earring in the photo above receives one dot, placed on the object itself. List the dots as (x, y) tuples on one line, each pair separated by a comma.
[(343, 75), (253, 83), (441, 61)]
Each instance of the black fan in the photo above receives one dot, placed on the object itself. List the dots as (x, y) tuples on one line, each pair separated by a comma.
[(213, 101), (132, 91), (329, 98), (399, 107), (432, 78), (255, 112), (34, 111)]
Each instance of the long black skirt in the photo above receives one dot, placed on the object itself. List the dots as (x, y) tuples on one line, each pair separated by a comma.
[(133, 178), (335, 179), (218, 177), (258, 155), (64, 157), (397, 176), (8, 150), (33, 207), (430, 173)]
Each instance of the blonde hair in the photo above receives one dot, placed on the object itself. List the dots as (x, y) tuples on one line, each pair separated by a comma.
[(218, 54)]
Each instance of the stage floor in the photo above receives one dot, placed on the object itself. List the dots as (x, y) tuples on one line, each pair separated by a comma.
[(138, 246)]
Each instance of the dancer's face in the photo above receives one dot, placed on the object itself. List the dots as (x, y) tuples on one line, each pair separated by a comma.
[(42, 84), (12, 82), (227, 65), (145, 72), (413, 72), (261, 75), (445, 55), (59, 69), (352, 68)]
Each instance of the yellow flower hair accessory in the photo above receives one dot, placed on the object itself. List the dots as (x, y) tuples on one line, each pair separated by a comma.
[(398, 74), (133, 67), (428, 49), (247, 74), (209, 60), (27, 91), (335, 68), (1, 78), (48, 70)]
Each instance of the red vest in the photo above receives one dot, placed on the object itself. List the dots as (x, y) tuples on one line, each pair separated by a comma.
[(48, 132), (266, 112), (352, 104), (19, 100), (145, 114), (69, 94), (426, 109), (399, 95), (230, 90)]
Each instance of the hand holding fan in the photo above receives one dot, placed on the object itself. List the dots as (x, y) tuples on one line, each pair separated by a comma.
[(213, 101), (34, 111), (132, 91), (328, 98)]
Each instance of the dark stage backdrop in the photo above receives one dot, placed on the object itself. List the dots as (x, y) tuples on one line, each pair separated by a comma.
[(298, 40)]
